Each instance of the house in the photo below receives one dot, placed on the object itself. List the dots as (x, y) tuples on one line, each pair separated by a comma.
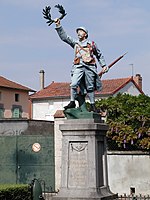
[(55, 96), (14, 99)]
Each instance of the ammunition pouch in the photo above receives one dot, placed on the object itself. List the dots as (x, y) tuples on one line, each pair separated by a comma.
[(89, 60), (76, 60)]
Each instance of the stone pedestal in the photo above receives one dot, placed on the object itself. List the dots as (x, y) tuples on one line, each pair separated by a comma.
[(84, 161)]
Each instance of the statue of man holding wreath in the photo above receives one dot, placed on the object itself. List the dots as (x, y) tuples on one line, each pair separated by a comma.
[(84, 70)]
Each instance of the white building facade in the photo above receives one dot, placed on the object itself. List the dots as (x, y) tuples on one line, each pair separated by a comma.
[(48, 100)]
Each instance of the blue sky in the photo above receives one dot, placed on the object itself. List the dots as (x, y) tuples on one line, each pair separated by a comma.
[(28, 45)]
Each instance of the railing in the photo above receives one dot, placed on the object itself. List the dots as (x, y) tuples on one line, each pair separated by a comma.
[(134, 197)]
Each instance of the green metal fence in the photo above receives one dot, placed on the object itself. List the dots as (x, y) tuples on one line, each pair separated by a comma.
[(25, 157)]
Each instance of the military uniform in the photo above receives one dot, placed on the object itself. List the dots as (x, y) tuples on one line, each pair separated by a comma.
[(83, 74)]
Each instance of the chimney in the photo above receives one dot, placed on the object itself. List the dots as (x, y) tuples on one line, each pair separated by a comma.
[(41, 79), (138, 80)]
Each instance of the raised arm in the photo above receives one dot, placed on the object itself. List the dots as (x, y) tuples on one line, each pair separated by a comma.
[(63, 35)]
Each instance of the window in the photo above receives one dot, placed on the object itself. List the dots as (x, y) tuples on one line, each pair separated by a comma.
[(16, 111), (16, 97)]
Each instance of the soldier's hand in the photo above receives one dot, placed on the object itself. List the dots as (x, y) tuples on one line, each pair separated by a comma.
[(57, 22), (105, 69)]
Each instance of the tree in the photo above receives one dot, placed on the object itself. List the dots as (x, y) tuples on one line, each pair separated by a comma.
[(129, 120)]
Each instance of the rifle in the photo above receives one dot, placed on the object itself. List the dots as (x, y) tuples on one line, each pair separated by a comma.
[(110, 65)]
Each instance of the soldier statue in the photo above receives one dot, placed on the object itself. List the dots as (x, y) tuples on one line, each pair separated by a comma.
[(84, 70)]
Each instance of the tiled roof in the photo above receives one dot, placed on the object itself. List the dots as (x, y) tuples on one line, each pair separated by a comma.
[(62, 90), (53, 90), (111, 86), (5, 83)]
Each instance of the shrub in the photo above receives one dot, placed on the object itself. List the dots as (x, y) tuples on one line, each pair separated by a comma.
[(15, 192), (129, 120)]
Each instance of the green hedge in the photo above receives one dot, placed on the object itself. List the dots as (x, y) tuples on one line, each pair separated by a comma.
[(15, 192)]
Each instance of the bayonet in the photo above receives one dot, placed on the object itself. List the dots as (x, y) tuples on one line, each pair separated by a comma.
[(114, 62)]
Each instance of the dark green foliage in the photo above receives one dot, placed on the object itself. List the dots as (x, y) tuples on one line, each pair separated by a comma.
[(15, 192), (129, 120)]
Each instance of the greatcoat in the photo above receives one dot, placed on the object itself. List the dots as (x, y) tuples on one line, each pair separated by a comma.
[(83, 75)]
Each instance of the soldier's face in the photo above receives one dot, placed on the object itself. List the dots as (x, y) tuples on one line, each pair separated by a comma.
[(81, 35)]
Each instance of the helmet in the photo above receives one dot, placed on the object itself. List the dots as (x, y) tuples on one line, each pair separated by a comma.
[(84, 29)]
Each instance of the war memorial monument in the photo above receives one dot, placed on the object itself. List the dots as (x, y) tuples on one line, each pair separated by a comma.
[(84, 159)]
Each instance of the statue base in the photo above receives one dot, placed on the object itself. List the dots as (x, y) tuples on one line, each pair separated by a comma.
[(81, 113), (84, 161)]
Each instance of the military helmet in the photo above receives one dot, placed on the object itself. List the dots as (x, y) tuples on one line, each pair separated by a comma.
[(84, 29)]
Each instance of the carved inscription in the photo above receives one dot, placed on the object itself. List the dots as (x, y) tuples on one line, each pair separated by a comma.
[(78, 164)]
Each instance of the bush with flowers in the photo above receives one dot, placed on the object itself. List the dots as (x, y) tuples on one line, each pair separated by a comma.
[(129, 120)]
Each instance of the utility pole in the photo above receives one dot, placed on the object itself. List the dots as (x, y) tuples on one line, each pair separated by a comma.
[(132, 69)]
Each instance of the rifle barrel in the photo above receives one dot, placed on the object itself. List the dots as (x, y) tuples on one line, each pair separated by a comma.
[(111, 64)]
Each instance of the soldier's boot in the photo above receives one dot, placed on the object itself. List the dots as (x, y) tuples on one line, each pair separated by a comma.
[(81, 99), (70, 105)]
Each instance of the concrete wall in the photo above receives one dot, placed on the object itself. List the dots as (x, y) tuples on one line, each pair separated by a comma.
[(58, 151), (25, 127), (129, 169)]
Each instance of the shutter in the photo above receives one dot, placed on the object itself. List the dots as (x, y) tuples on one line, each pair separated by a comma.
[(1, 113), (16, 113)]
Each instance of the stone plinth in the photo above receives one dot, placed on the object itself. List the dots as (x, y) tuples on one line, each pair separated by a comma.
[(84, 161)]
